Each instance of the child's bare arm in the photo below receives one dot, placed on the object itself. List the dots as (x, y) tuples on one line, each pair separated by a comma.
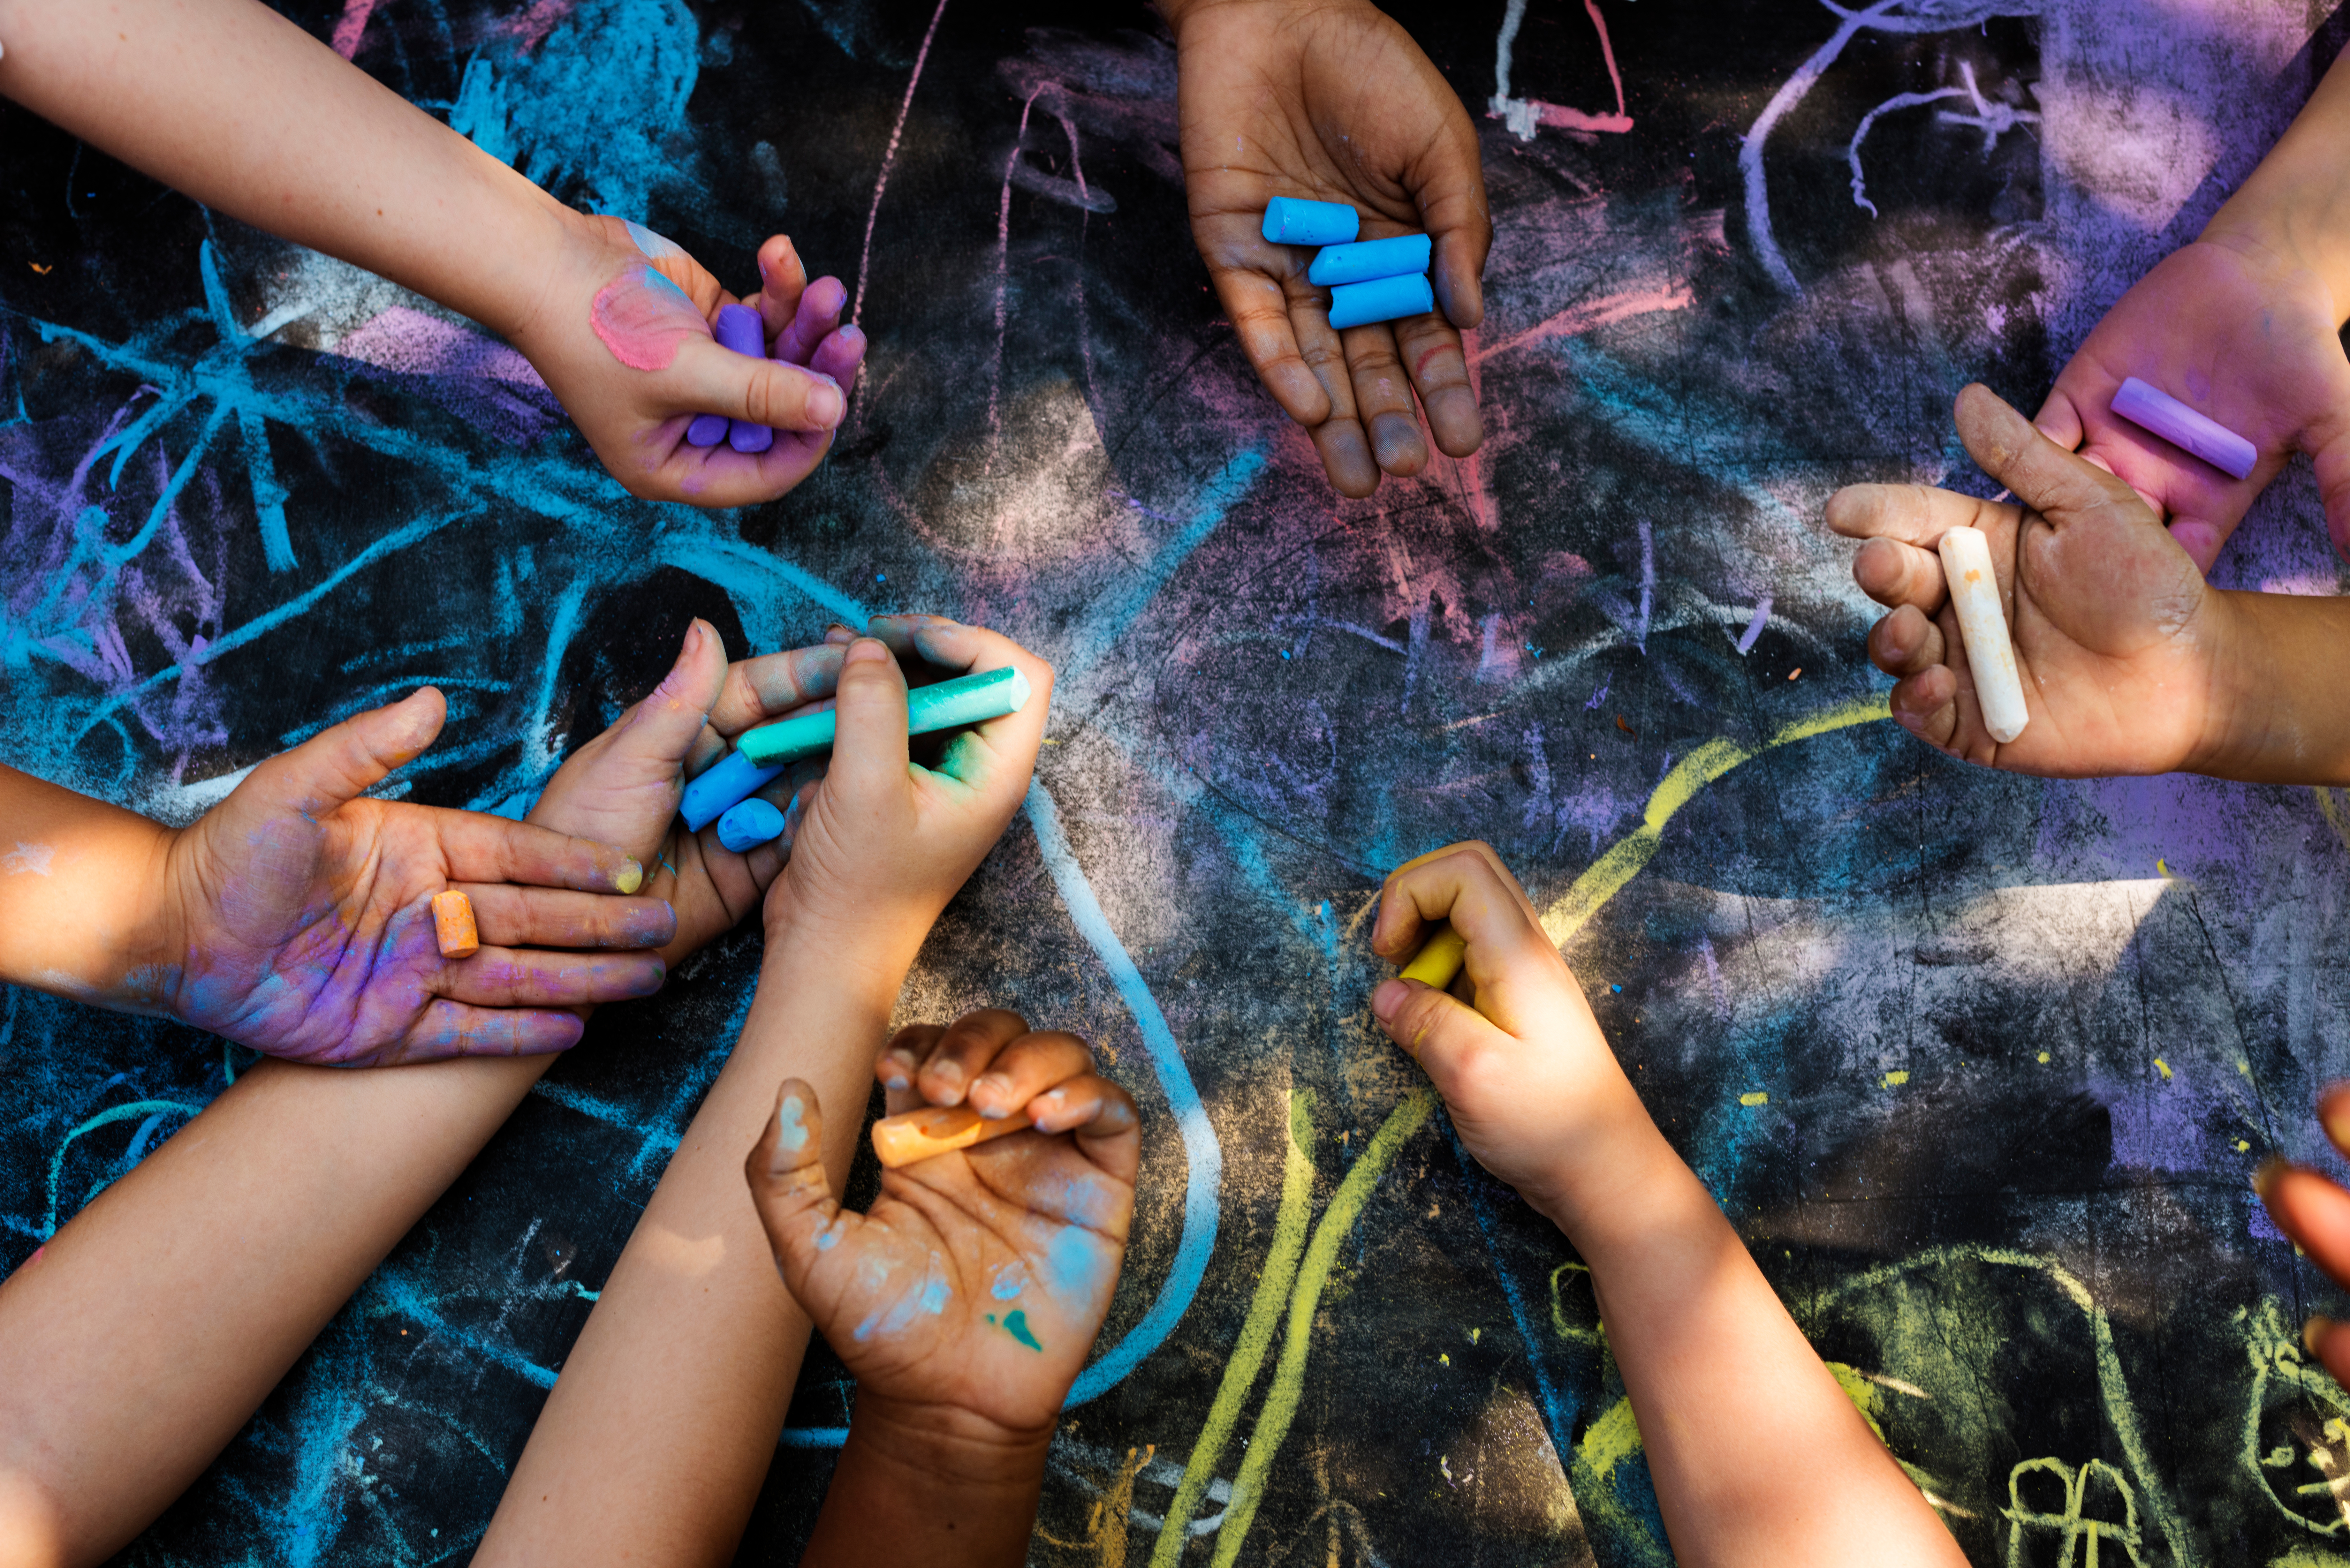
[(1704, 1345)]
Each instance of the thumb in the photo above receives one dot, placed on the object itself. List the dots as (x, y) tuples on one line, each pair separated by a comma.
[(869, 749), (2059, 421), (2043, 475), (663, 727), (789, 1188), (339, 765), (1450, 195), (2333, 461), (1444, 1035), (714, 380)]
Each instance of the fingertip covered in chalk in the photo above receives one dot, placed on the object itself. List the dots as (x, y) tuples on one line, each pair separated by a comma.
[(452, 925)]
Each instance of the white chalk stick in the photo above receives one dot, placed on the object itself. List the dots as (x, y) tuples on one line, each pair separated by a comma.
[(1974, 594)]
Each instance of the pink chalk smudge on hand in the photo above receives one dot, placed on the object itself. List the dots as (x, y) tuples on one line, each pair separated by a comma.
[(643, 317)]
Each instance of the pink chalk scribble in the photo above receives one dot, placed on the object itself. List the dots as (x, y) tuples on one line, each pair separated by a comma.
[(530, 29), (1524, 115), (1586, 315), (351, 25)]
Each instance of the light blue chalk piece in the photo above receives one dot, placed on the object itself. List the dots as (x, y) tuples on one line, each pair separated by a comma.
[(1290, 221), (717, 791), (790, 1131), (969, 699), (749, 824), (1382, 299), (1368, 259)]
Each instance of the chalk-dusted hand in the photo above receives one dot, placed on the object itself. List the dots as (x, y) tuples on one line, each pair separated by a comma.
[(2240, 333), (298, 911), (2120, 645), (970, 1291), (883, 841), (621, 331), (1333, 102), (1531, 1084)]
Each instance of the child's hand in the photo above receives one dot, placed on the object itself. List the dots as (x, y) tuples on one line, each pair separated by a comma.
[(2120, 644), (2240, 333), (883, 842), (623, 787), (973, 1288), (1532, 1087), (296, 914), (622, 336), (2315, 1213)]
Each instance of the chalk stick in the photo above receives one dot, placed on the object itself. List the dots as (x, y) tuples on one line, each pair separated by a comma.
[(1982, 628), (1438, 962), (452, 923), (1382, 299), (707, 429), (2151, 408), (749, 824), (716, 791), (738, 327), (1290, 221), (936, 1129), (1368, 259), (969, 699)]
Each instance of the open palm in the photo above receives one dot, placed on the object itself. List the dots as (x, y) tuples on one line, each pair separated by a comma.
[(1334, 103), (2117, 636)]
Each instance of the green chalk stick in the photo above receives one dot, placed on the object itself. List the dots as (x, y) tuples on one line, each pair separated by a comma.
[(949, 704)]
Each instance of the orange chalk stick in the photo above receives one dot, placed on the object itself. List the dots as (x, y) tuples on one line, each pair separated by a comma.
[(452, 922), (935, 1129), (1438, 961)]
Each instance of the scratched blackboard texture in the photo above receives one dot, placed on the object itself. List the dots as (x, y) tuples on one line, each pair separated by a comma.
[(1979, 1064)]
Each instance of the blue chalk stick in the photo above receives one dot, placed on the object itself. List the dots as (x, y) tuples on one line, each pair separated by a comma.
[(1368, 259), (717, 791), (1383, 299), (750, 824), (707, 429), (1290, 221)]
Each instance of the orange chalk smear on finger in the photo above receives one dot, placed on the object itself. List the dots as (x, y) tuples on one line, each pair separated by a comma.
[(936, 1129), (452, 922)]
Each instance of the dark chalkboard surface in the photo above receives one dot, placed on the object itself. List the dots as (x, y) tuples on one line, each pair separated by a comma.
[(1979, 1064)]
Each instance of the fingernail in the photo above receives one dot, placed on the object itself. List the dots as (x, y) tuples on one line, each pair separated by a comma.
[(865, 650), (2313, 1332), (825, 406), (631, 876), (2266, 1175), (1390, 996), (845, 630), (997, 1085)]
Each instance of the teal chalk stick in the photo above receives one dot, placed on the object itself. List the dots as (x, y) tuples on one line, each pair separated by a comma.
[(949, 704)]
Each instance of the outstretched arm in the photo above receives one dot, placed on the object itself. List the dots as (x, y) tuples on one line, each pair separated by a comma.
[(231, 103)]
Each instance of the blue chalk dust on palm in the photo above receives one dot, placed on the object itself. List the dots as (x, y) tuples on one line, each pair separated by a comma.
[(1010, 1279), (1015, 1323)]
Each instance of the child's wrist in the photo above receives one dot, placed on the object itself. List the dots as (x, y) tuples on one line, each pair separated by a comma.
[(947, 1445), (2284, 223), (1601, 1188)]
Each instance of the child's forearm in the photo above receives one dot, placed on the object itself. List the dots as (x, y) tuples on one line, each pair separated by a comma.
[(922, 1489), (1708, 1355), (2297, 203), (661, 1430), (243, 110), (81, 904)]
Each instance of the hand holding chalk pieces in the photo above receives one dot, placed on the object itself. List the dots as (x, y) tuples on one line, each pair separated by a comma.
[(738, 327), (937, 1129), (1982, 628)]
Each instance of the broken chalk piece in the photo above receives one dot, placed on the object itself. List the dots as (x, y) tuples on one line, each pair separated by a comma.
[(452, 923), (2151, 408), (937, 1129), (1381, 299), (968, 700), (1982, 628), (718, 789), (738, 327), (1291, 222), (749, 824), (707, 429), (1368, 259), (1438, 962)]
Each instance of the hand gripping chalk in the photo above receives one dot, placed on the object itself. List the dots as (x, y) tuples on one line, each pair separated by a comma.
[(1290, 221), (738, 328), (729, 781), (749, 824), (1368, 259), (452, 925), (970, 699), (2150, 409), (937, 1129), (1382, 299), (1982, 628), (1438, 962)]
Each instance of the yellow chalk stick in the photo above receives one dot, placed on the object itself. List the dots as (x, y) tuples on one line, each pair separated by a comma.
[(452, 922), (935, 1129), (1438, 962)]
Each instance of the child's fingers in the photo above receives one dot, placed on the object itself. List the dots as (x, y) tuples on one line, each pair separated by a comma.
[(709, 379), (1894, 574), (2312, 1211), (510, 977), (1927, 704), (1906, 643), (512, 917), (1049, 1176), (783, 283), (1916, 515), (1340, 440), (345, 761), (869, 749), (1383, 397), (1458, 1048), (1257, 305), (2058, 419), (1466, 884), (900, 1060), (478, 847), (789, 1189), (756, 690), (840, 356), (1103, 1117), (2044, 476), (665, 726), (962, 1051), (447, 1028), (960, 648), (1429, 346), (1024, 1068), (2333, 1114), (817, 317)]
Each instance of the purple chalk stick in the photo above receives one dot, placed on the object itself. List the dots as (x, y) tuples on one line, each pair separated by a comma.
[(750, 438), (2151, 408), (707, 429), (738, 327)]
